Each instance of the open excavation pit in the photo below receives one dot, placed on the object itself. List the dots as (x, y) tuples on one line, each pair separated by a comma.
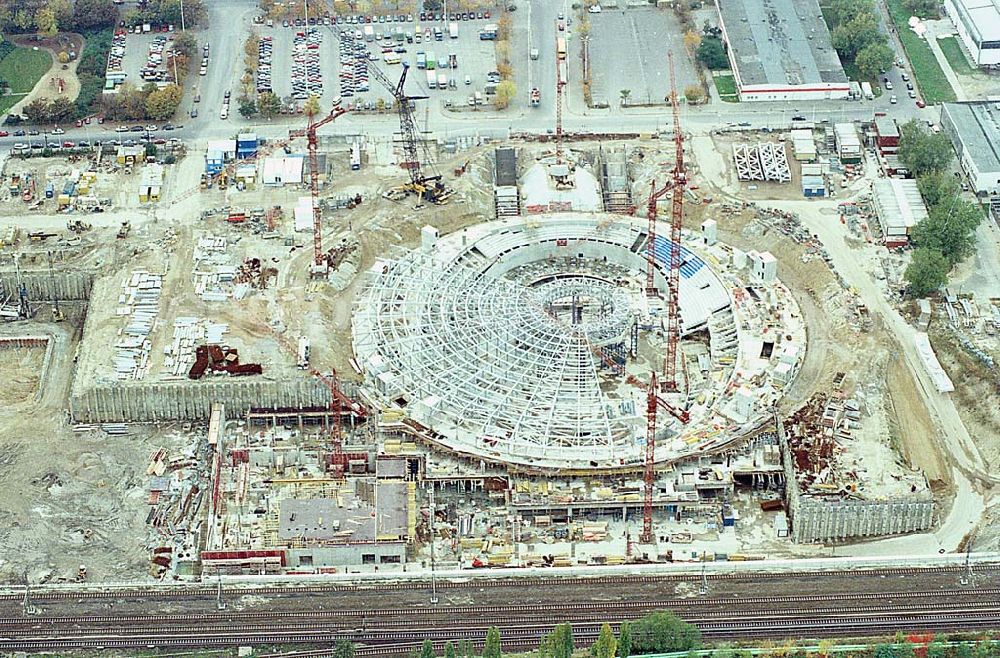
[(529, 343), (24, 361)]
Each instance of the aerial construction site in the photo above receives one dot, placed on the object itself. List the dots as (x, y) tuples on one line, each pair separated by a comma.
[(331, 351)]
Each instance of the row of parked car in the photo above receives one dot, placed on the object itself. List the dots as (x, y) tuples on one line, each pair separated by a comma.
[(387, 18), (154, 70), (265, 50), (354, 58), (117, 53), (306, 77)]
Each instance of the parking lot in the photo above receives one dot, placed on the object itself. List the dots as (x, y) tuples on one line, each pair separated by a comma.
[(148, 52), (628, 50)]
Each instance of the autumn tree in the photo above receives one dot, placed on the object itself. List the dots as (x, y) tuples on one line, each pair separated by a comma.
[(311, 107), (694, 94), (46, 22), (268, 104), (505, 94), (691, 41), (606, 645), (163, 103)]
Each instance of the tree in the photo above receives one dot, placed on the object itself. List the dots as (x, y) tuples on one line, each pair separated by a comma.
[(268, 104), (247, 107), (449, 650), (663, 631), (606, 644), (491, 649), (505, 94), (562, 641), (427, 650), (186, 44), (92, 14), (311, 107), (691, 41), (61, 109), (922, 8), (625, 640), (841, 11), (938, 187), (874, 58), (949, 228), (851, 37), (712, 54), (624, 94), (923, 152), (37, 111), (343, 649), (694, 94), (162, 103), (46, 22)]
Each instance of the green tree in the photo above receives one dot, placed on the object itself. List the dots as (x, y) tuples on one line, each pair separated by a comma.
[(93, 14), (873, 59), (491, 649), (663, 631), (449, 650), (46, 22), (163, 103), (427, 650), (850, 37), (625, 640), (37, 111), (343, 649), (938, 187), (186, 44), (885, 651), (506, 90), (923, 152), (562, 641), (937, 649), (950, 229), (624, 94), (712, 54), (61, 109), (465, 646), (268, 104), (247, 107), (841, 11), (311, 106), (606, 644), (926, 273)]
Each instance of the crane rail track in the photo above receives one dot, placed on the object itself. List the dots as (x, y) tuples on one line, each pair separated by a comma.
[(146, 591)]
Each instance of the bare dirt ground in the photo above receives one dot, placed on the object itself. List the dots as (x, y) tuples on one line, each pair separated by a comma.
[(20, 371)]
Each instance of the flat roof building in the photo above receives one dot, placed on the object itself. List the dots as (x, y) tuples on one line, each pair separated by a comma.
[(781, 50), (899, 207), (978, 25), (974, 129)]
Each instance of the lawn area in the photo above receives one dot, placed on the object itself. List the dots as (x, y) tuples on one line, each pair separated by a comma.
[(933, 85), (726, 86), (22, 68), (953, 53)]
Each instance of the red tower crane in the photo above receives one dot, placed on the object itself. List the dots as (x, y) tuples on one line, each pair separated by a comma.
[(654, 196), (676, 221), (310, 134)]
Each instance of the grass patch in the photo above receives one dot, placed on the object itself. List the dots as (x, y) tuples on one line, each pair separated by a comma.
[(933, 84), (22, 68), (726, 86), (953, 53)]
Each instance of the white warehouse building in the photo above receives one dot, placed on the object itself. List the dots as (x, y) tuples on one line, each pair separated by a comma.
[(974, 129), (978, 25)]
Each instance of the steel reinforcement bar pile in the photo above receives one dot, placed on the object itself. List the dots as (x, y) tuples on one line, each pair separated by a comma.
[(392, 631)]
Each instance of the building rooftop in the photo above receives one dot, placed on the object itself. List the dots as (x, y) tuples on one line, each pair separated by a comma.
[(978, 127), (780, 42), (898, 202), (886, 126), (981, 17)]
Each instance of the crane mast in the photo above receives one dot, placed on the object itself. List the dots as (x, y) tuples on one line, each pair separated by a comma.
[(676, 221)]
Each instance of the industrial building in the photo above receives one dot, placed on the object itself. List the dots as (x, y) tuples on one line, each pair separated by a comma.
[(848, 143), (898, 207), (978, 25), (974, 129), (780, 50)]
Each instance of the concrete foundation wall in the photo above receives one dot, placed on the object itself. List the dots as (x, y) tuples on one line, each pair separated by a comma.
[(347, 555), (62, 286), (193, 401), (819, 521)]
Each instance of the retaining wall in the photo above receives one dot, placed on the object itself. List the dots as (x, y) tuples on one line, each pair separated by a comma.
[(60, 286), (192, 401)]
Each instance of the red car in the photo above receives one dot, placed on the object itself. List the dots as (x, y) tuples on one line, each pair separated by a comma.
[(920, 103), (68, 145), (4, 133)]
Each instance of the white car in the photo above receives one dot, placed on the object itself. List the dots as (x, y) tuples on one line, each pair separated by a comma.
[(596, 9), (892, 99), (151, 128), (58, 131)]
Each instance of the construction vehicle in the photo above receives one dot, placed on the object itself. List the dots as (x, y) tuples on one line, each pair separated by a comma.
[(426, 187), (40, 236), (535, 96), (78, 226), (124, 230)]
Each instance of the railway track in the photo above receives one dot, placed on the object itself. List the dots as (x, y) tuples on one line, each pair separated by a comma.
[(147, 592), (521, 625)]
